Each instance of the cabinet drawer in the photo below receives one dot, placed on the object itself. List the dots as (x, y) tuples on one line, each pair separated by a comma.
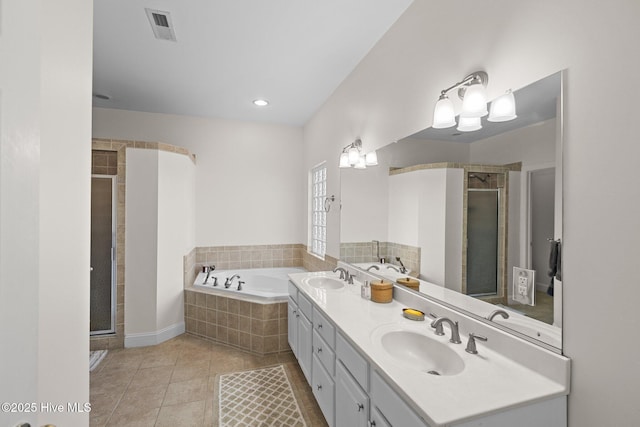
[(293, 291), (323, 390), (391, 405), (324, 327), (305, 306), (326, 355), (353, 361)]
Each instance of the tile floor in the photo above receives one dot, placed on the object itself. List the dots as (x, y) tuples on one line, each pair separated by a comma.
[(173, 384)]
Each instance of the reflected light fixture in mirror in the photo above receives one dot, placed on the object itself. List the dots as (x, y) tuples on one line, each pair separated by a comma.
[(352, 156), (503, 108), (469, 124)]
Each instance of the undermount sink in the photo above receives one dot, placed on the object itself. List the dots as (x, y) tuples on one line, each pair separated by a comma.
[(421, 353), (324, 283)]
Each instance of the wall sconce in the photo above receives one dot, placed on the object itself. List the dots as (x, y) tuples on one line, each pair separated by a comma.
[(352, 156), (471, 90)]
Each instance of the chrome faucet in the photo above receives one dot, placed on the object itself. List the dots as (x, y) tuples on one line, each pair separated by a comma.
[(391, 267), (344, 274), (207, 269), (455, 334), (229, 280), (498, 312), (403, 269), (375, 267), (240, 283)]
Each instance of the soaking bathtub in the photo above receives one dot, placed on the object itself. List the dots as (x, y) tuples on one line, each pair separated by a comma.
[(262, 283)]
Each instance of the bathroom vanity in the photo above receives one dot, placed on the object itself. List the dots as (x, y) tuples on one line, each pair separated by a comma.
[(370, 366)]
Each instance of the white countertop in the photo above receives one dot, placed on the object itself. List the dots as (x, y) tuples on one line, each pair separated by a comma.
[(489, 382)]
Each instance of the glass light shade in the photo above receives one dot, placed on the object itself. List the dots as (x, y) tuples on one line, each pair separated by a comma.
[(474, 103), (371, 159), (444, 115), (354, 156), (344, 160), (362, 163), (469, 124), (503, 108)]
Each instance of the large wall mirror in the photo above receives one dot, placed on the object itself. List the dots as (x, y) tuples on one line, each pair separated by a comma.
[(477, 216)]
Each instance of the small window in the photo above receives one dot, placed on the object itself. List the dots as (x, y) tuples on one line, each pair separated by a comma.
[(318, 214)]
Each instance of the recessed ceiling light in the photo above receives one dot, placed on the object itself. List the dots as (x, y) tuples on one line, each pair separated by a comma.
[(261, 102)]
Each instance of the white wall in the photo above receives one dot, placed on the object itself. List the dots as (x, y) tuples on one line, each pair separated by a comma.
[(176, 234), (392, 92), (141, 242), (531, 145), (249, 189), (159, 232), (45, 133)]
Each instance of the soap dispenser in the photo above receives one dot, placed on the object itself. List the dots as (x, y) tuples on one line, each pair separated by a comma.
[(365, 290)]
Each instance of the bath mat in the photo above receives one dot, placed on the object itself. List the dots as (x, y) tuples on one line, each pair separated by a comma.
[(261, 397), (95, 357)]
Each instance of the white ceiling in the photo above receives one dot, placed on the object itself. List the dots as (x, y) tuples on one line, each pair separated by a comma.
[(294, 53)]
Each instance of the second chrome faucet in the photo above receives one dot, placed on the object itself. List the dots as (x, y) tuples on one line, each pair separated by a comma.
[(455, 333)]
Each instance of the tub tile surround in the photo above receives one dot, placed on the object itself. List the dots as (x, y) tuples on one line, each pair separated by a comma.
[(103, 154), (361, 252), (250, 326), (519, 373)]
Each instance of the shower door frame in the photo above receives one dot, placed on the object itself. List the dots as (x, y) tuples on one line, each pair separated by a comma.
[(114, 228)]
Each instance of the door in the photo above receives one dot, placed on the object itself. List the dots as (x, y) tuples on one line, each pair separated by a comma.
[(482, 242), (542, 205), (103, 233)]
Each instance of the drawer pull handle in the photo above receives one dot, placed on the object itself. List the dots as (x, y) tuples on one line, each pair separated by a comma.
[(319, 325), (372, 424), (319, 349), (360, 407), (319, 386)]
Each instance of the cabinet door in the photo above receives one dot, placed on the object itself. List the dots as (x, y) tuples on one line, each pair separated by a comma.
[(305, 347), (377, 420), (324, 391), (352, 403), (394, 409), (292, 324)]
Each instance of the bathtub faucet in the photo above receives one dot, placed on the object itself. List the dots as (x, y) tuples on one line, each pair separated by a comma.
[(240, 283), (207, 269), (229, 280)]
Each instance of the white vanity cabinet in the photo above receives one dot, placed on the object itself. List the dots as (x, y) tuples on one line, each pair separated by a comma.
[(299, 329)]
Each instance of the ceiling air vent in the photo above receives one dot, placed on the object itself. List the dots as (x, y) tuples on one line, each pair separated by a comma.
[(161, 24)]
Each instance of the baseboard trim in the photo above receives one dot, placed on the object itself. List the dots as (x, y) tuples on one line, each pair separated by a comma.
[(144, 339)]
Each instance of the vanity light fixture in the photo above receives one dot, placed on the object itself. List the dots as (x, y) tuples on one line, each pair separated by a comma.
[(352, 156), (260, 102), (471, 90)]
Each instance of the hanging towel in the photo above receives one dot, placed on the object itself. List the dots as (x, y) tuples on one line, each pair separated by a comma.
[(559, 261), (553, 258)]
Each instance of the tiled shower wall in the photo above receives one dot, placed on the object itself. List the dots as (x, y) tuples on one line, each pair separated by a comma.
[(357, 252)]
